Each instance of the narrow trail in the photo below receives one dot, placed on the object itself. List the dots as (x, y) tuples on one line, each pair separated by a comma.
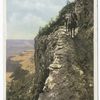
[(64, 59), (59, 54)]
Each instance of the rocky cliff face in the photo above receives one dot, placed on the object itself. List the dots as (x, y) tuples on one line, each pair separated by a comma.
[(64, 65), (84, 10)]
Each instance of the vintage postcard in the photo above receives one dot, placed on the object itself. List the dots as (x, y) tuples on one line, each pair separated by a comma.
[(51, 50)]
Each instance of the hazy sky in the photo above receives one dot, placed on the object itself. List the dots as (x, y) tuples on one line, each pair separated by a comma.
[(24, 17)]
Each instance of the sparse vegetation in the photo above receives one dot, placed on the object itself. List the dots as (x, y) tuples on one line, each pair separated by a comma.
[(54, 24)]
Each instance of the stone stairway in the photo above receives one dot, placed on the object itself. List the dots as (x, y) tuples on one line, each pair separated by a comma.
[(64, 56), (60, 53)]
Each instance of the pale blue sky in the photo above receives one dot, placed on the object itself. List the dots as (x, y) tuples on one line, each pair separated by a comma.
[(24, 17)]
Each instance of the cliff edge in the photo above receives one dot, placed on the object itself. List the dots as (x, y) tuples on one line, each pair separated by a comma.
[(64, 65)]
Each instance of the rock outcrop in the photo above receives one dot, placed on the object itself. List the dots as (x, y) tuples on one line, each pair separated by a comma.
[(64, 65)]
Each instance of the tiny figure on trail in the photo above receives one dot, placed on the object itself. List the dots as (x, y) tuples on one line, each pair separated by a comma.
[(71, 23), (67, 20)]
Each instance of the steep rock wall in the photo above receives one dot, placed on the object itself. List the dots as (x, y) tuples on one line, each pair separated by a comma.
[(64, 65)]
